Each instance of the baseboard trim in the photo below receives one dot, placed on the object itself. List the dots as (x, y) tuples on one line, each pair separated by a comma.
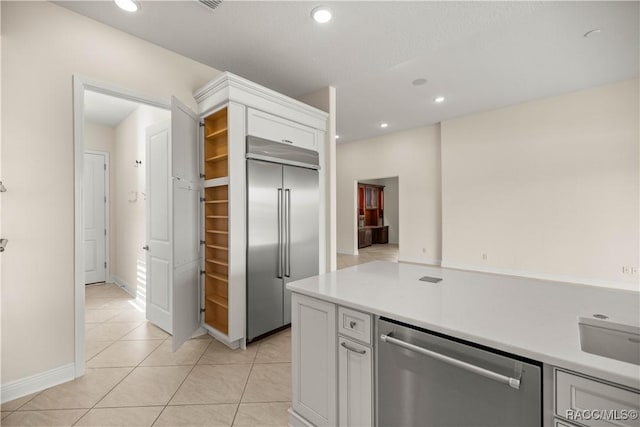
[(233, 345), (347, 252), (124, 285), (296, 420), (421, 261), (611, 284), (38, 382)]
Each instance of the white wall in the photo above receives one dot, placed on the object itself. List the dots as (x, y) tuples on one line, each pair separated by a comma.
[(549, 188), (43, 45), (129, 268), (103, 138), (391, 212), (414, 157)]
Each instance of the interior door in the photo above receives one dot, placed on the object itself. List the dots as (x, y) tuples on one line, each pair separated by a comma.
[(185, 219), (265, 285), (159, 222), (301, 204), (95, 260)]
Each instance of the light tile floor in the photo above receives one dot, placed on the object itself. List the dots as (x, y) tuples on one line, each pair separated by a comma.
[(375, 252), (134, 379)]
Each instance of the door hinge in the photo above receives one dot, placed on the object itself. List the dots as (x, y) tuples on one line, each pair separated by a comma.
[(202, 199), (202, 175), (202, 242), (105, 264), (105, 166), (105, 199), (105, 231), (202, 310), (201, 124), (202, 271)]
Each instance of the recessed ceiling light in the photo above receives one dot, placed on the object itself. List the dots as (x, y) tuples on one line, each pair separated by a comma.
[(438, 99), (383, 125), (592, 33), (419, 82), (321, 14), (128, 5)]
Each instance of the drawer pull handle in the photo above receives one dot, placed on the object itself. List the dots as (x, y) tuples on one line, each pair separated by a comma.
[(287, 141), (355, 350), (352, 324)]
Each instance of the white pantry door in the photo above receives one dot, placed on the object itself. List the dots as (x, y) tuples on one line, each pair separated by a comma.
[(159, 224), (173, 200), (186, 222), (95, 258)]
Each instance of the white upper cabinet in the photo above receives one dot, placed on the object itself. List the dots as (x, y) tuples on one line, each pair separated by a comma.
[(274, 128)]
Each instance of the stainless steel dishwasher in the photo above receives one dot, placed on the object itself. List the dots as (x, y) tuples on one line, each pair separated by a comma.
[(430, 380)]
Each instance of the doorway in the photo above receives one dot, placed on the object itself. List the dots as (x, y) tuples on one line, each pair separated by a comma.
[(110, 231), (376, 223)]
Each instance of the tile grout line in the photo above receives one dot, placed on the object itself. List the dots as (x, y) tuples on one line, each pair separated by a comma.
[(185, 379), (253, 362), (123, 378)]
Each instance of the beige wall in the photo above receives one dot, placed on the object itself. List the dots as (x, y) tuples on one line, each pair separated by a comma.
[(546, 188), (130, 217), (43, 45), (103, 138), (414, 157)]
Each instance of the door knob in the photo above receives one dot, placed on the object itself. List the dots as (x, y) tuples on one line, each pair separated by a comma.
[(145, 247)]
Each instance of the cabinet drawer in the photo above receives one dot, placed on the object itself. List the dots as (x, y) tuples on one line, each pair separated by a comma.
[(590, 402), (560, 423), (354, 324), (274, 128)]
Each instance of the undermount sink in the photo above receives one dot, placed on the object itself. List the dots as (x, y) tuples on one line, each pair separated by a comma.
[(610, 338)]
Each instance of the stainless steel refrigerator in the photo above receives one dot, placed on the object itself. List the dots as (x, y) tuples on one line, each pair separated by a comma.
[(282, 229)]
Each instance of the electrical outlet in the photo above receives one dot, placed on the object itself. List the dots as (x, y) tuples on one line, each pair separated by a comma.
[(634, 270), (484, 256), (626, 269)]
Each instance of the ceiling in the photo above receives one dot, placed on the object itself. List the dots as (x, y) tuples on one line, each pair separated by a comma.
[(106, 110), (479, 55)]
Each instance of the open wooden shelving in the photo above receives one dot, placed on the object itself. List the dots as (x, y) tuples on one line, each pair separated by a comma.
[(216, 223), (216, 147)]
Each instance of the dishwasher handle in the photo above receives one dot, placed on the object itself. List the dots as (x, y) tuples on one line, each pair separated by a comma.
[(511, 382)]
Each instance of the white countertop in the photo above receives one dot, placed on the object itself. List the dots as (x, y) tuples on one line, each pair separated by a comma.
[(528, 317)]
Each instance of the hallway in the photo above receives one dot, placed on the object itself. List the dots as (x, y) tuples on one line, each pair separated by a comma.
[(386, 252), (134, 379)]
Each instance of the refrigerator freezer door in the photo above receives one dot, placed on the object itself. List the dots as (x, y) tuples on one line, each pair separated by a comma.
[(264, 288), (301, 247)]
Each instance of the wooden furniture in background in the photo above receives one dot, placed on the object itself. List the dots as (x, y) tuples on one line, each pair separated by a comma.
[(371, 228)]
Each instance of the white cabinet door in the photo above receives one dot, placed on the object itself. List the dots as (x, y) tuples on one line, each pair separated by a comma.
[(354, 384), (313, 342), (274, 128), (172, 224), (185, 230)]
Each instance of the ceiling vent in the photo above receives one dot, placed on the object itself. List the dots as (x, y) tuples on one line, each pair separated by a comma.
[(210, 4)]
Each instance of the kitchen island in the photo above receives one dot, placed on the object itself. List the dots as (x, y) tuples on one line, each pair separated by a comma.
[(528, 318)]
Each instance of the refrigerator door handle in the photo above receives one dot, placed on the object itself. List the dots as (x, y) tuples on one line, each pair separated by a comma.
[(287, 260), (280, 233)]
